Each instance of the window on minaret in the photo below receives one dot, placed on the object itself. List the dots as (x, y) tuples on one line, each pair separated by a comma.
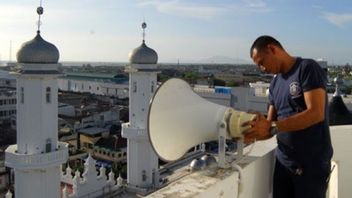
[(22, 95), (48, 145), (48, 95), (152, 87), (134, 86)]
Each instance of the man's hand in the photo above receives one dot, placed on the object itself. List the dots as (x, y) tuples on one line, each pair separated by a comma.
[(260, 129)]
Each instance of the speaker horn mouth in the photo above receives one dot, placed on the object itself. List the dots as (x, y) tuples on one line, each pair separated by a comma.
[(151, 103), (179, 119)]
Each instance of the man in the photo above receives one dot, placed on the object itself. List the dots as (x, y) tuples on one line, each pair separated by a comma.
[(298, 115)]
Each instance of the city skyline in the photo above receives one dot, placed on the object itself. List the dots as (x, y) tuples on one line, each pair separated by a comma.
[(179, 30)]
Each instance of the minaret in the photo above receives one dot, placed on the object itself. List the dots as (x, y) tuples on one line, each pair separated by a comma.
[(37, 156), (142, 161), (338, 112)]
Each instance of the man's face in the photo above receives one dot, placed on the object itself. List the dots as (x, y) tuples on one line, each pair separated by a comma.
[(265, 60)]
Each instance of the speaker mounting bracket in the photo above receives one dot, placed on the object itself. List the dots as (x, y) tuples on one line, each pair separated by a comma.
[(222, 146)]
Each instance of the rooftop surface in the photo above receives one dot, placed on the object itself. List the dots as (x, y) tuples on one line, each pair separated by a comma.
[(92, 130), (97, 77)]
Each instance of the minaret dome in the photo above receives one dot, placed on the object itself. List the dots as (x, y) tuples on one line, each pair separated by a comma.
[(39, 51), (143, 54)]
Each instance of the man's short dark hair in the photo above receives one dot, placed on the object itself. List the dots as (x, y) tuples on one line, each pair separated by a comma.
[(263, 41)]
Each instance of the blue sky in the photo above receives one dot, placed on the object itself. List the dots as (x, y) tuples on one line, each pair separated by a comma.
[(188, 30)]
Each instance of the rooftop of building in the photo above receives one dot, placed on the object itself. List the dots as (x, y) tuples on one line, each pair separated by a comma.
[(92, 131), (6, 75), (97, 77), (8, 91), (112, 143)]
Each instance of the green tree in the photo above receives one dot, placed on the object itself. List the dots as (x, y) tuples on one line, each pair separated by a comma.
[(219, 82), (233, 83), (191, 77)]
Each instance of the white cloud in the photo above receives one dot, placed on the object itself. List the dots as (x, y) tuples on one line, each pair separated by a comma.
[(340, 20), (201, 11), (257, 4), (249, 7), (176, 7), (318, 7), (15, 14)]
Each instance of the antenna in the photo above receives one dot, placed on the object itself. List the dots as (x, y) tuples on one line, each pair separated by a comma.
[(40, 11), (10, 51), (144, 25)]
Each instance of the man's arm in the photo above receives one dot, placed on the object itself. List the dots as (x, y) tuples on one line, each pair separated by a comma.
[(260, 128), (271, 113), (315, 112)]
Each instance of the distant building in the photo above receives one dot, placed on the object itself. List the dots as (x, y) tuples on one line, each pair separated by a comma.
[(102, 145), (218, 95), (240, 98), (323, 63), (7, 104), (237, 78), (201, 70), (261, 89), (4, 177), (6, 80), (66, 109), (111, 149), (89, 136), (95, 83), (7, 96)]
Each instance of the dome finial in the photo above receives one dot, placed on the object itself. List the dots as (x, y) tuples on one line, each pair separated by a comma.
[(37, 50), (339, 82), (40, 11), (144, 25), (143, 54)]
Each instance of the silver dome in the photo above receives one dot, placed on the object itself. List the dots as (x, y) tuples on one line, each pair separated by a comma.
[(210, 161), (197, 164), (143, 55), (38, 50), (338, 80)]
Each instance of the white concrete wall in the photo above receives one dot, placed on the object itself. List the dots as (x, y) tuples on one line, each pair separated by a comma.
[(341, 139), (218, 98), (141, 160), (256, 180), (143, 86), (244, 99), (36, 119), (98, 88), (38, 183)]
